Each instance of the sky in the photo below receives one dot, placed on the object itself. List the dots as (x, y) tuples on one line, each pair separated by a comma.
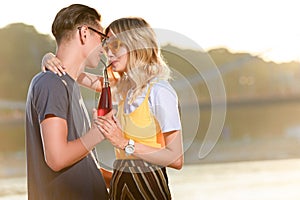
[(269, 29)]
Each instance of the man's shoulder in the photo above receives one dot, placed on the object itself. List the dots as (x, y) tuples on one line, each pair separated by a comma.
[(47, 80)]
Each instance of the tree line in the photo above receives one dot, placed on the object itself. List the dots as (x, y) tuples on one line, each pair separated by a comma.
[(244, 75)]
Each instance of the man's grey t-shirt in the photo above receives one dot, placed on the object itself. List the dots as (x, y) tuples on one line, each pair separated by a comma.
[(50, 94)]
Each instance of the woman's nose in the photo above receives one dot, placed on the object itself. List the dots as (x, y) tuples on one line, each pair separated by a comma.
[(109, 53)]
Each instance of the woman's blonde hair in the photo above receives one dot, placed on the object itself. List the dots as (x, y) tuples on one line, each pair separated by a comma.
[(144, 62)]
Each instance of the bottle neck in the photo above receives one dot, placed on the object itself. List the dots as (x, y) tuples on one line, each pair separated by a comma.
[(106, 84), (105, 80)]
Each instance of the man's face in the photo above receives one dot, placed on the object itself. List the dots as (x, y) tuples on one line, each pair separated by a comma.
[(94, 44)]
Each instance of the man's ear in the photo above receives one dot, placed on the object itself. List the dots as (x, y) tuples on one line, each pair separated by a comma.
[(82, 34)]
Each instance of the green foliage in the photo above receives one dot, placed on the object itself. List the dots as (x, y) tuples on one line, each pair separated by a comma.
[(21, 51), (244, 75)]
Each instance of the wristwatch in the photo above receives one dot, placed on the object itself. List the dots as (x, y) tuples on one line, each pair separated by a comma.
[(129, 148)]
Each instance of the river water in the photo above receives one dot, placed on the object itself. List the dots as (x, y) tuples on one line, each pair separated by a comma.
[(252, 180), (256, 158)]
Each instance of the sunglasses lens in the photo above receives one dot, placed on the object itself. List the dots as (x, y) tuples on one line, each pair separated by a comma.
[(114, 46)]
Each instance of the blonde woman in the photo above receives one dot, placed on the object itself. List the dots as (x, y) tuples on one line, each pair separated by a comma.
[(146, 131)]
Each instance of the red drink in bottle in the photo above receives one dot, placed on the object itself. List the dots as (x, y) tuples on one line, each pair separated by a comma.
[(105, 102)]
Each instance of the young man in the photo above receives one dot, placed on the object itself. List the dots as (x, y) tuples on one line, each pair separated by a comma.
[(61, 162)]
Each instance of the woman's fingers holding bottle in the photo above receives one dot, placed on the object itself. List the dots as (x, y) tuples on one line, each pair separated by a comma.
[(107, 125), (111, 132), (109, 115), (116, 120)]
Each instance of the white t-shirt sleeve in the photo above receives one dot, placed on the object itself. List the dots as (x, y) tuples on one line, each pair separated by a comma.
[(164, 106)]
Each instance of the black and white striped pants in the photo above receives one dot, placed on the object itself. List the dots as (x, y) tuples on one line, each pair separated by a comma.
[(139, 180)]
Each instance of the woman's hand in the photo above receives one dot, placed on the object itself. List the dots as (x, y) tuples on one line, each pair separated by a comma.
[(171, 155), (52, 63), (112, 131), (94, 135)]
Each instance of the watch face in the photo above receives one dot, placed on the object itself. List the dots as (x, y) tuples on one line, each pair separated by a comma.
[(129, 149)]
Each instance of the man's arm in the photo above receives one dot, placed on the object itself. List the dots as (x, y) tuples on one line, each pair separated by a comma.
[(58, 151)]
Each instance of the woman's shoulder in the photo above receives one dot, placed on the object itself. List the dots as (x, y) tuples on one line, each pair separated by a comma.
[(161, 84), (162, 87)]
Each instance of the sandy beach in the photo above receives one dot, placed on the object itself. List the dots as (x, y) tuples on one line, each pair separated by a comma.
[(268, 180)]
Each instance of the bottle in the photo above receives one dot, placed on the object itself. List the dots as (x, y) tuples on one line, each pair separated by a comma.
[(105, 102)]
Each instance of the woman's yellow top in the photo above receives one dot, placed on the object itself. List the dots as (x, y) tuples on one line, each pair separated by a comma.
[(140, 126)]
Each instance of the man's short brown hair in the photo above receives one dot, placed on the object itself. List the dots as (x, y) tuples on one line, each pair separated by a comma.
[(70, 18)]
